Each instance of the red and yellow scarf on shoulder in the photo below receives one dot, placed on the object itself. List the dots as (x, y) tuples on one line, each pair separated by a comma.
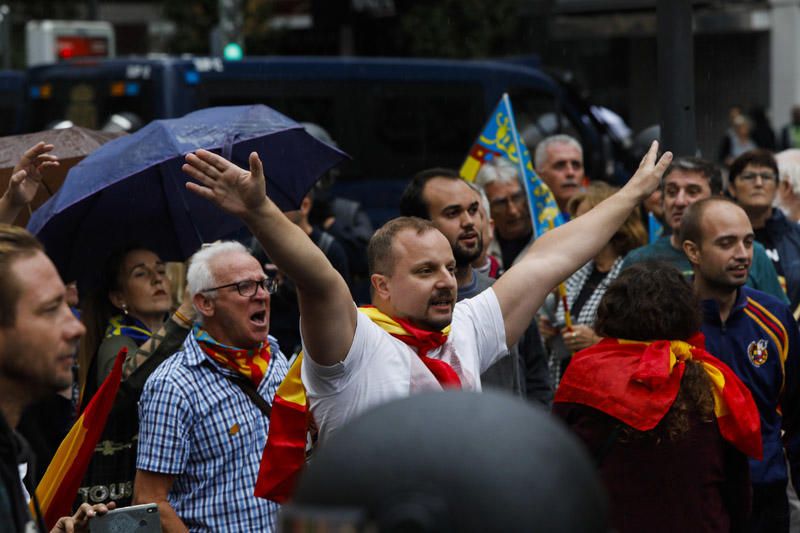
[(285, 452), (637, 383)]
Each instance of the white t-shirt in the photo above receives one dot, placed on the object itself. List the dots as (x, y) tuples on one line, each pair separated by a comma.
[(379, 368)]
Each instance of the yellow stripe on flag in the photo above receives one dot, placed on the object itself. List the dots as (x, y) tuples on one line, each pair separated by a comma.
[(62, 462), (291, 388), (718, 380), (469, 170)]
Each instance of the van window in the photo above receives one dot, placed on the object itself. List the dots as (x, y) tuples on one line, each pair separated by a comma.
[(391, 128)]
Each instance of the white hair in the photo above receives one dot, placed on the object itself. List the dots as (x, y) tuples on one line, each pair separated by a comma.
[(199, 276), (540, 156), (789, 167), (497, 169)]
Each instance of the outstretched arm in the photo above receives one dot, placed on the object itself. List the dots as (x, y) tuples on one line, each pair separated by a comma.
[(25, 179), (326, 307), (560, 252)]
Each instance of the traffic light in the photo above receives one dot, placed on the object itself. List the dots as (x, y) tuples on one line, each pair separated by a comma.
[(231, 26), (232, 52)]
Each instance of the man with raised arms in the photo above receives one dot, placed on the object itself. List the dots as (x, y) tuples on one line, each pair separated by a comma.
[(416, 337)]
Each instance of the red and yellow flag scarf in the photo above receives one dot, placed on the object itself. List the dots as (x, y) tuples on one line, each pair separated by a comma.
[(285, 452), (637, 382), (251, 364), (423, 340)]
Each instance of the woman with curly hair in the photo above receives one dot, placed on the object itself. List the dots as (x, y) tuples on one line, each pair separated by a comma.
[(669, 425)]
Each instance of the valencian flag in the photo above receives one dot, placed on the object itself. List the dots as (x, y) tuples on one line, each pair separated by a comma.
[(654, 228), (285, 452), (57, 489), (637, 382), (500, 138)]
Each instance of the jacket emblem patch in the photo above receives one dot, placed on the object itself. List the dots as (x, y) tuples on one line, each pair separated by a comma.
[(757, 352)]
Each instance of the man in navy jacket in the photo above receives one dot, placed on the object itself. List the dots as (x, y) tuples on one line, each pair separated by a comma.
[(756, 335)]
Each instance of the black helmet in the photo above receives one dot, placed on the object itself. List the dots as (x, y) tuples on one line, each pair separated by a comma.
[(450, 461)]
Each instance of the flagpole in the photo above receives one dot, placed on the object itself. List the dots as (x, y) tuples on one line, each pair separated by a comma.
[(520, 163), (562, 293)]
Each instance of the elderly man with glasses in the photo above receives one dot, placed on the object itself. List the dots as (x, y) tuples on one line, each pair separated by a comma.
[(205, 412), (499, 179), (753, 183)]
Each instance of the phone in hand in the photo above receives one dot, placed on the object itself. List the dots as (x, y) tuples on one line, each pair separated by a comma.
[(134, 519)]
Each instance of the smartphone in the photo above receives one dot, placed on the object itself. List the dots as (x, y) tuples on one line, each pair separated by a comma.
[(134, 519)]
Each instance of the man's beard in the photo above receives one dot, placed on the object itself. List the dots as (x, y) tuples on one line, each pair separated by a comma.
[(14, 366), (465, 257)]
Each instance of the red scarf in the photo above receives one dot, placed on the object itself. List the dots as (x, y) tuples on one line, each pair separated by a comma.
[(285, 452), (637, 383), (251, 364), (423, 340)]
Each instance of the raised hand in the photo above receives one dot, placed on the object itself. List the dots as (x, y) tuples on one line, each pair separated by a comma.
[(648, 175), (232, 188), (27, 174)]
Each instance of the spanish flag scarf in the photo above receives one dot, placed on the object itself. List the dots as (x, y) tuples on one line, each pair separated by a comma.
[(251, 364), (285, 452), (637, 383)]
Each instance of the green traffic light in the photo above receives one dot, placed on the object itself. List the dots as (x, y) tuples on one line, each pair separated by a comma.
[(232, 52)]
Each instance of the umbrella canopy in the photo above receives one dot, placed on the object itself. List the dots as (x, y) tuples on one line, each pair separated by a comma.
[(71, 145), (131, 191)]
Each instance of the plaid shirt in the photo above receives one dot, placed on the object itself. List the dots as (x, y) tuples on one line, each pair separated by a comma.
[(199, 426)]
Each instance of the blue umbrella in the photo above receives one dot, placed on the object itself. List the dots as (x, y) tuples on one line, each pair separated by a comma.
[(132, 191)]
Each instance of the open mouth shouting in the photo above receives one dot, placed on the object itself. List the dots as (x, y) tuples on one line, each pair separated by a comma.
[(259, 318)]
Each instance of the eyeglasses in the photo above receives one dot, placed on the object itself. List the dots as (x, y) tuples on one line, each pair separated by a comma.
[(249, 287), (518, 199), (766, 175)]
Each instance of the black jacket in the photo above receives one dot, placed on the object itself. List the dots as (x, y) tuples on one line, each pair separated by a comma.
[(14, 513), (786, 236)]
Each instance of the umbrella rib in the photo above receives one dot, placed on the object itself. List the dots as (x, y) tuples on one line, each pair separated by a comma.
[(182, 197)]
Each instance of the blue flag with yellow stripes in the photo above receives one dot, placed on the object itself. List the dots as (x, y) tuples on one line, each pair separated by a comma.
[(500, 138)]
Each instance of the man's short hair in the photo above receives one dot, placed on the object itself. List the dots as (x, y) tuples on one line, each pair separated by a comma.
[(412, 202), (540, 155), (497, 169), (758, 158), (649, 301), (380, 251), (692, 221), (15, 243), (199, 276), (705, 168)]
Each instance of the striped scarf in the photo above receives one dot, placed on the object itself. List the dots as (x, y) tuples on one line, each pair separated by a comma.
[(285, 452), (251, 364)]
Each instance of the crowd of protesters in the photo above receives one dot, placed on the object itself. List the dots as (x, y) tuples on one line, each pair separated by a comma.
[(674, 361)]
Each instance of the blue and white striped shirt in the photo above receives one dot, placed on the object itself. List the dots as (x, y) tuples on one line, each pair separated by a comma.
[(200, 427)]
